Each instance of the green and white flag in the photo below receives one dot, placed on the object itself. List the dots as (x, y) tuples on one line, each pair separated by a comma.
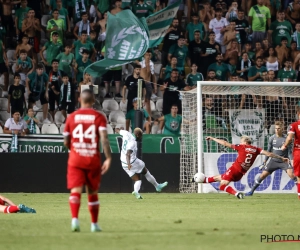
[(126, 41), (159, 22)]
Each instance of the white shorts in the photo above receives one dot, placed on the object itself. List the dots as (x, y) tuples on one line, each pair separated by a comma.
[(136, 167)]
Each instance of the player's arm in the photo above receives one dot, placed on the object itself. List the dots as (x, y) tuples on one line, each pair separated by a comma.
[(106, 149), (128, 154), (270, 146), (222, 142), (8, 201), (67, 141), (274, 156), (288, 141)]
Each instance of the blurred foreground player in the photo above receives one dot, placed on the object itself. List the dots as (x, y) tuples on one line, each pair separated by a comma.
[(83, 130), (246, 157), (8, 207), (132, 165), (294, 132)]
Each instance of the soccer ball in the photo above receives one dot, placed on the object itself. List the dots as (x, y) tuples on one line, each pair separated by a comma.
[(199, 178)]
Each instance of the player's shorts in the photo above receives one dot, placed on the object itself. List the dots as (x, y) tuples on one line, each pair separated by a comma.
[(296, 163), (136, 167), (273, 166), (232, 174), (78, 177), (115, 75)]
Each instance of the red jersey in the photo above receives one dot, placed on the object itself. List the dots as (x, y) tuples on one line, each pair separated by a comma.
[(83, 127), (246, 157), (295, 129)]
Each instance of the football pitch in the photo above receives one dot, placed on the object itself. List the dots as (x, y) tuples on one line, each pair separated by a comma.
[(160, 221)]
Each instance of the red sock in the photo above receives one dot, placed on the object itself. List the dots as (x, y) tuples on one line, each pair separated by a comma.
[(74, 201), (298, 187), (94, 207), (209, 179), (228, 189), (11, 209)]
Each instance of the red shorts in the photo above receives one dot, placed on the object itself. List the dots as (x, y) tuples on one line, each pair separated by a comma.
[(296, 162), (232, 174), (78, 177)]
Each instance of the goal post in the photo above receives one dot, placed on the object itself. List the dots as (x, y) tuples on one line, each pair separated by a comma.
[(238, 108)]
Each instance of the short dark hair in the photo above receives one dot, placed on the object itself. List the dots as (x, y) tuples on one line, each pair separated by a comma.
[(137, 66), (16, 111), (284, 39), (218, 10), (23, 51), (259, 57), (175, 70), (65, 75), (40, 66), (55, 10), (83, 32), (85, 51), (212, 70), (17, 75), (83, 13), (55, 60), (54, 33)]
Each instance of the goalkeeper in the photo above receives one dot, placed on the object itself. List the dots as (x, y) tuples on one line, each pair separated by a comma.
[(275, 143)]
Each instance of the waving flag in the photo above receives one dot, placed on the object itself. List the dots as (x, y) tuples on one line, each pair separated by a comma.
[(126, 41), (159, 22)]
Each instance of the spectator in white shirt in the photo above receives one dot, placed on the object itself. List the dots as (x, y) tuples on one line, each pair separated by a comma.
[(218, 25), (16, 125)]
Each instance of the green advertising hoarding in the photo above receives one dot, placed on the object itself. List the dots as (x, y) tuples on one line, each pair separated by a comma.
[(151, 144)]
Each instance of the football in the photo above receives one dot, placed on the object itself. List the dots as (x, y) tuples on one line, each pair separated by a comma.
[(199, 178)]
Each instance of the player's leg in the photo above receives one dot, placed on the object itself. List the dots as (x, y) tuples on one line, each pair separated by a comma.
[(231, 175), (93, 182), (94, 206), (137, 185), (290, 173), (216, 178), (153, 181), (297, 170), (75, 182), (9, 209), (258, 181)]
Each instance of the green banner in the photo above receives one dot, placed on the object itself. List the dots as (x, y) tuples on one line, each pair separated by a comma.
[(54, 144), (126, 40), (151, 144), (159, 22)]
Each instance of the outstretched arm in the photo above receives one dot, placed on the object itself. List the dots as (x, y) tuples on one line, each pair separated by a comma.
[(274, 156), (106, 149), (222, 142)]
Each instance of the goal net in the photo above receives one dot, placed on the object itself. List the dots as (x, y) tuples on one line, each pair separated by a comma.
[(228, 110)]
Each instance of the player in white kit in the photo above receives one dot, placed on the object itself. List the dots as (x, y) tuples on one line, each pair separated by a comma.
[(133, 166)]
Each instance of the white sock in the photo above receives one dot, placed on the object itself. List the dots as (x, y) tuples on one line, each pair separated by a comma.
[(137, 186), (151, 179), (75, 221)]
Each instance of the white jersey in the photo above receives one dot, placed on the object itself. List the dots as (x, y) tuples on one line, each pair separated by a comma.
[(129, 143), (216, 26)]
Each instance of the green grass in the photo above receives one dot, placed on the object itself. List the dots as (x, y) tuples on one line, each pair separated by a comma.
[(160, 221)]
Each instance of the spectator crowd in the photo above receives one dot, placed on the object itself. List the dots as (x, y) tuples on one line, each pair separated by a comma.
[(47, 44)]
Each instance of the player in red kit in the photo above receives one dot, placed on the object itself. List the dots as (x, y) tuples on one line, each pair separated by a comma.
[(246, 157), (294, 132), (83, 130)]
